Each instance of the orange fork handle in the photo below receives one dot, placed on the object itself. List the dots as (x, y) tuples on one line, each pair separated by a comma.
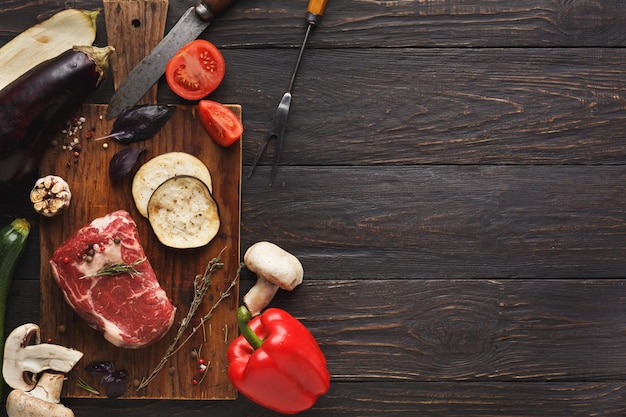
[(315, 11)]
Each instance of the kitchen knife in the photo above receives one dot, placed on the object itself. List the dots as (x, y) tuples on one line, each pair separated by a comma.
[(143, 76)]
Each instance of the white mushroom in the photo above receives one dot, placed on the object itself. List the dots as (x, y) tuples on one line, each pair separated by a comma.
[(275, 268), (43, 401), (25, 357)]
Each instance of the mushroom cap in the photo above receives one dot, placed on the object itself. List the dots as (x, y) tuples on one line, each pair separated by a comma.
[(274, 264), (22, 336), (25, 357)]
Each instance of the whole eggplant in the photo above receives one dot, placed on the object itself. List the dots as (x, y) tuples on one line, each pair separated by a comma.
[(42, 100)]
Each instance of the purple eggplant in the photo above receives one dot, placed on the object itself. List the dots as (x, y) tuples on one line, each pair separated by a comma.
[(40, 101)]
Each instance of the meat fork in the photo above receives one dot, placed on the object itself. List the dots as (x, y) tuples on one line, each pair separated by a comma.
[(314, 13), (277, 131)]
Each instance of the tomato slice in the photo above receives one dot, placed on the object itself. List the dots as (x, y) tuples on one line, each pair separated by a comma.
[(222, 125), (196, 70)]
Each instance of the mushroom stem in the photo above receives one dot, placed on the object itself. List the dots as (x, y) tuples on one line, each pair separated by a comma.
[(260, 295), (49, 387), (42, 401), (275, 268)]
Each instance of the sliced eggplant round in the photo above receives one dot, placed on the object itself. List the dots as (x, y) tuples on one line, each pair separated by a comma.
[(183, 213), (160, 169)]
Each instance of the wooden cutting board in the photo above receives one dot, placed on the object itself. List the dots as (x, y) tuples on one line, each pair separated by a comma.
[(94, 195)]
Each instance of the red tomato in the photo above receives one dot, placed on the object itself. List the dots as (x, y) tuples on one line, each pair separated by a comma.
[(222, 125), (196, 70)]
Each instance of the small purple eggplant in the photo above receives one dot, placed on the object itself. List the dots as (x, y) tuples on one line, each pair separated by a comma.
[(40, 101)]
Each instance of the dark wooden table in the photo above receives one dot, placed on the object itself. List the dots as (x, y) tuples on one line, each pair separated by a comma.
[(454, 183)]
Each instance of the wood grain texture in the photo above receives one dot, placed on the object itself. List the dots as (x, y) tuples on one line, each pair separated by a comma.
[(452, 180), (437, 106), (438, 330), (444, 221), (384, 24), (416, 23), (477, 330), (401, 399), (422, 222), (133, 28), (554, 347), (94, 195)]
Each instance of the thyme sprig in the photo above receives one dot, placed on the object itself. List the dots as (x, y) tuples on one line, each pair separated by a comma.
[(202, 283), (208, 315), (118, 268)]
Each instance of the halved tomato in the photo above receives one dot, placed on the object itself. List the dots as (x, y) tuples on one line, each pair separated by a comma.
[(222, 125), (196, 70)]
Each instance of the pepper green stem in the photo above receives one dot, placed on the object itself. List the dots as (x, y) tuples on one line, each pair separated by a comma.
[(243, 318)]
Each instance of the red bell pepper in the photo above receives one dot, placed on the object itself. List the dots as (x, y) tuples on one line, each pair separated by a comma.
[(276, 362)]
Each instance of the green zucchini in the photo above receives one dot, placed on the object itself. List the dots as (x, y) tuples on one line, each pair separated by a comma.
[(13, 239)]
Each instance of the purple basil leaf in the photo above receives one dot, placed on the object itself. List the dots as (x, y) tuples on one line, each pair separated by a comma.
[(120, 374), (107, 379), (141, 122), (116, 388), (105, 367), (123, 162)]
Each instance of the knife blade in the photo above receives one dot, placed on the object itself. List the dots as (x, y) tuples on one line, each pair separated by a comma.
[(143, 76)]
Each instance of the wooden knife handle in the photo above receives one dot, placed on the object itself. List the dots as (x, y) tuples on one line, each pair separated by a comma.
[(208, 9)]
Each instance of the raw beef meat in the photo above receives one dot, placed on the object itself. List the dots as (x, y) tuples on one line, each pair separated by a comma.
[(130, 308)]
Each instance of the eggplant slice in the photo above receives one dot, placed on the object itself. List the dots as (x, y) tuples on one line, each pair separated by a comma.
[(183, 213), (161, 168)]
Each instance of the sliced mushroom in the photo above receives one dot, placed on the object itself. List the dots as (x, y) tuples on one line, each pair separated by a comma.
[(43, 401), (275, 268), (25, 357), (50, 195)]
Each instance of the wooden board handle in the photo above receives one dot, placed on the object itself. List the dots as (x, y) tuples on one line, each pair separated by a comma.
[(133, 28)]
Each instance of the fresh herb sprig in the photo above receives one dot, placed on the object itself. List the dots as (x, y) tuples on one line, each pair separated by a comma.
[(201, 285), (81, 383), (118, 268)]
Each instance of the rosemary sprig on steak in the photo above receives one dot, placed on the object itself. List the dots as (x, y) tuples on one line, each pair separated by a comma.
[(118, 268)]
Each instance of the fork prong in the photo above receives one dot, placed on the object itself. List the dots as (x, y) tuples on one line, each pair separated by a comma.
[(259, 154), (279, 126), (279, 148)]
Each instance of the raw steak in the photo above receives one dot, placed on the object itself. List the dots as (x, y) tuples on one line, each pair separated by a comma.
[(130, 308)]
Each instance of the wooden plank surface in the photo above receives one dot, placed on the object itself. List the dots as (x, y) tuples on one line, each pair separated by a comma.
[(397, 398), (449, 165), (94, 195), (449, 347), (425, 222), (445, 106), (355, 24)]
